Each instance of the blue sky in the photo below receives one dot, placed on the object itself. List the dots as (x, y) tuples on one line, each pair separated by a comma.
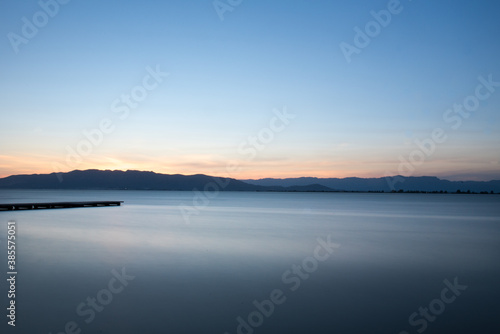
[(227, 79)]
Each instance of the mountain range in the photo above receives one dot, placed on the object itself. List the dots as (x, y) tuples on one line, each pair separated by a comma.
[(138, 180), (144, 180)]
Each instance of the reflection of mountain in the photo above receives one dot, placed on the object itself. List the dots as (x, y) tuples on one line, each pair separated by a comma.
[(422, 183), (106, 179), (137, 180)]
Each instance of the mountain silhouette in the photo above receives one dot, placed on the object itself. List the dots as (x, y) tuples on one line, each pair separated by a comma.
[(137, 180), (144, 180)]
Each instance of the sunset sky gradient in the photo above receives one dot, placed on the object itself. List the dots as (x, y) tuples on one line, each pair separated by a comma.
[(228, 80)]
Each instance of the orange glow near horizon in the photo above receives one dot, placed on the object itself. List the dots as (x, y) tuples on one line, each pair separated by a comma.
[(235, 175), (218, 167), (26, 165)]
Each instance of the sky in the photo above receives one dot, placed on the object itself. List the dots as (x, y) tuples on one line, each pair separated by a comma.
[(251, 89)]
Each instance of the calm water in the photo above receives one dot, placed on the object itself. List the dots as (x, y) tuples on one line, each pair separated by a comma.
[(256, 263)]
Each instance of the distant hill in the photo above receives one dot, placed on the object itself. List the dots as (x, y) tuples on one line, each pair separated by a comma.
[(140, 180), (422, 183), (137, 180)]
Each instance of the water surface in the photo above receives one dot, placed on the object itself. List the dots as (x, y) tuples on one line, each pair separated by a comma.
[(200, 275)]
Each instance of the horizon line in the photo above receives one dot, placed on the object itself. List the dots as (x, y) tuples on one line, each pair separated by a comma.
[(253, 179)]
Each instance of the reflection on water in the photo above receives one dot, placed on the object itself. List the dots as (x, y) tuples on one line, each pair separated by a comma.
[(395, 252)]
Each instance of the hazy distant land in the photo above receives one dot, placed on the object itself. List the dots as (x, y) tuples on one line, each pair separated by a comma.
[(142, 180)]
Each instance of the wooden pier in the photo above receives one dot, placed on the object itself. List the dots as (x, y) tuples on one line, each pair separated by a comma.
[(57, 205)]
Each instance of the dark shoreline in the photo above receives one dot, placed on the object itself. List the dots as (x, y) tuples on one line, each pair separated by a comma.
[(440, 192)]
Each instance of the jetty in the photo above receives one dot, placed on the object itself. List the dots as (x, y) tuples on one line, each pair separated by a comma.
[(57, 205)]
